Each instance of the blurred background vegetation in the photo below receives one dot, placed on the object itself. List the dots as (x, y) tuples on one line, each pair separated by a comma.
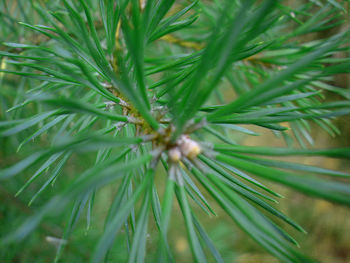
[(328, 225)]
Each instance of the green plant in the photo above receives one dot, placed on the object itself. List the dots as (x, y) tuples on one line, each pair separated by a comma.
[(144, 87)]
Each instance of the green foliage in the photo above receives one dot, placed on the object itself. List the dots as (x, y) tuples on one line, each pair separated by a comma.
[(141, 85)]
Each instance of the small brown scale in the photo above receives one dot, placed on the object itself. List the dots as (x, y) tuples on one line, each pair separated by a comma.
[(184, 146)]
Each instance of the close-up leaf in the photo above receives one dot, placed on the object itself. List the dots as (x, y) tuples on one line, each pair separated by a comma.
[(174, 131)]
